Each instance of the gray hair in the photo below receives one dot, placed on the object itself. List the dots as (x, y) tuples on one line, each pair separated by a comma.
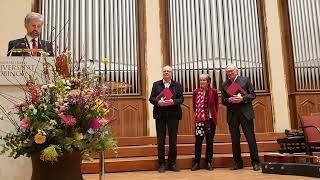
[(231, 66), (33, 15), (206, 77), (167, 66)]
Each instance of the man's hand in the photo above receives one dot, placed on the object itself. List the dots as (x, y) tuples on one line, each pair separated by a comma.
[(235, 99), (169, 102), (162, 102)]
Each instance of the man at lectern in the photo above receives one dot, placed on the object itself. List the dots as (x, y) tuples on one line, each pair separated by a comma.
[(30, 44)]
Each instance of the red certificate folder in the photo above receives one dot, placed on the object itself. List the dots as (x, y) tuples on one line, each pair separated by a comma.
[(234, 88), (166, 94)]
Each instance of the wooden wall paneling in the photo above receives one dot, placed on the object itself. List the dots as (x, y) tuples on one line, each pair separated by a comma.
[(115, 124), (186, 125), (307, 103), (222, 127), (130, 117), (262, 109), (263, 114)]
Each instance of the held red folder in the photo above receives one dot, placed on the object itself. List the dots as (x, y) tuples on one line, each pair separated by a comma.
[(234, 88), (166, 94)]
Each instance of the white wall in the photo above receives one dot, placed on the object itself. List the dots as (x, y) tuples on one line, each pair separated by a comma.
[(153, 56), (279, 93), (12, 169), (12, 13)]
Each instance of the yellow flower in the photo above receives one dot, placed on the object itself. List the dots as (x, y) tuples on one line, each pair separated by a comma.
[(78, 136), (104, 111), (98, 104), (40, 131), (39, 138), (52, 122), (49, 154), (106, 61)]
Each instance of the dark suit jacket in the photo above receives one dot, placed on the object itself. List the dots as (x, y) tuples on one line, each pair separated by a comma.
[(213, 102), (22, 43), (173, 111), (245, 106)]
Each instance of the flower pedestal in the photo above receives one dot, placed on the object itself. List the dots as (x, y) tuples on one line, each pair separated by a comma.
[(68, 167)]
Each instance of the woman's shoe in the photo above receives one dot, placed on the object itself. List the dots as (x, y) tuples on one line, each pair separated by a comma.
[(195, 167)]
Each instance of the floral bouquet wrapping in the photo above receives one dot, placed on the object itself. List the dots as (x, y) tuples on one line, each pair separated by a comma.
[(64, 115)]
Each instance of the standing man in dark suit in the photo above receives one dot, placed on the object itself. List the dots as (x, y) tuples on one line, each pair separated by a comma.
[(237, 93), (33, 23), (167, 96)]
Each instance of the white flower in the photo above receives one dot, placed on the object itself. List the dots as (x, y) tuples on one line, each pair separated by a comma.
[(91, 131), (68, 83), (56, 104), (35, 111), (44, 87), (52, 85), (31, 106), (60, 100), (52, 122)]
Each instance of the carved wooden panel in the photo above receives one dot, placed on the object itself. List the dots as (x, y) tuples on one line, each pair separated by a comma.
[(130, 114), (262, 108), (307, 103), (186, 125)]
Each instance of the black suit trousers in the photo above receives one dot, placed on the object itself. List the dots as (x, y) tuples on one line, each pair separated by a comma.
[(209, 144), (247, 125), (162, 124)]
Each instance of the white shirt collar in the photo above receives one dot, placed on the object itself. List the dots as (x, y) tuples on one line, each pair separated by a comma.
[(166, 84), (234, 78), (29, 39)]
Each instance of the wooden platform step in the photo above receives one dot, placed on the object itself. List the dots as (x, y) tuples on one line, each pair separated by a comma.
[(151, 163), (184, 149), (140, 153)]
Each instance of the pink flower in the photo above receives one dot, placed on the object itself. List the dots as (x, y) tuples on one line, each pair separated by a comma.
[(25, 122), (103, 121), (95, 123), (22, 106), (35, 91), (68, 120)]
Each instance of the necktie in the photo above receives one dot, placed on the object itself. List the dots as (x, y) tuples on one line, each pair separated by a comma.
[(34, 47)]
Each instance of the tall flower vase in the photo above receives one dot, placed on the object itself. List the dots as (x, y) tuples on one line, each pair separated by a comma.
[(68, 167)]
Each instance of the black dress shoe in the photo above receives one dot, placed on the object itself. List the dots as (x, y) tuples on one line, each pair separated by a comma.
[(195, 167), (173, 167), (256, 167), (162, 168), (209, 166), (236, 167)]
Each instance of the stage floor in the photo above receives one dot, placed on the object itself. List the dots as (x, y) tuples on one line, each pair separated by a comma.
[(218, 173)]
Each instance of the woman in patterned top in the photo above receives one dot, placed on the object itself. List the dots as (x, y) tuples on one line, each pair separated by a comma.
[(205, 107)]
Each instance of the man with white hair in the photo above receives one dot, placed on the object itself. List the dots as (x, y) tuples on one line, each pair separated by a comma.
[(33, 23), (237, 94), (167, 97)]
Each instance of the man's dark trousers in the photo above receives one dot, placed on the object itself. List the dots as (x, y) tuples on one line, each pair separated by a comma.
[(172, 125), (247, 125)]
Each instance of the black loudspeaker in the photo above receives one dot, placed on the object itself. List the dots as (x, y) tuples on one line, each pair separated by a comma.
[(299, 169)]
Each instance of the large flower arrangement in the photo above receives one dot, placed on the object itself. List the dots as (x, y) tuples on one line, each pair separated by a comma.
[(64, 115)]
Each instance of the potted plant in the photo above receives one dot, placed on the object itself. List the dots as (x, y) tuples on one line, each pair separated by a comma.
[(58, 121)]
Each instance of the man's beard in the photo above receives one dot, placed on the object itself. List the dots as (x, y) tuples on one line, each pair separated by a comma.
[(34, 34)]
